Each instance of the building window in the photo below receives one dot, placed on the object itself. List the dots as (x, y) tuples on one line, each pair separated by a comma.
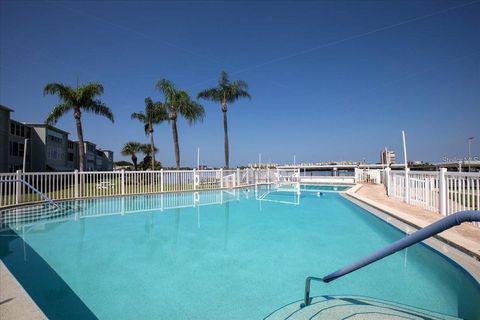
[(19, 130), (55, 153), (70, 156), (16, 149), (54, 139)]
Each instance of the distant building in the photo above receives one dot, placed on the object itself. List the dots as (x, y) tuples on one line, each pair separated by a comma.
[(387, 157), (47, 148)]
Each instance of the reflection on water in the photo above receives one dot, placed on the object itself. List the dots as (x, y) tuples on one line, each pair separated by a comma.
[(17, 218)]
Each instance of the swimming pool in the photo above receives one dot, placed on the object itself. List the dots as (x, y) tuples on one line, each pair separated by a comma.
[(319, 187), (235, 254)]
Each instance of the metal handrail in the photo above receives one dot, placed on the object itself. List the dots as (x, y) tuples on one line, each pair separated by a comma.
[(407, 241), (41, 194)]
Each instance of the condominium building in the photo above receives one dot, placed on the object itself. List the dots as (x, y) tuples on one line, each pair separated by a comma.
[(44, 148), (387, 157)]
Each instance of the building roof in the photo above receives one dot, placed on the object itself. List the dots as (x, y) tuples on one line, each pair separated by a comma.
[(2, 107), (43, 125)]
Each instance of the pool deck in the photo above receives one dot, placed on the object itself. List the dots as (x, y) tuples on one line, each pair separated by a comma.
[(15, 303), (464, 237)]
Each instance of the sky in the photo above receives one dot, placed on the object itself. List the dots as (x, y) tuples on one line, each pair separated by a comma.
[(329, 80)]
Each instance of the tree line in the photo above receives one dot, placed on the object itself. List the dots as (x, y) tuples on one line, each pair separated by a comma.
[(177, 103)]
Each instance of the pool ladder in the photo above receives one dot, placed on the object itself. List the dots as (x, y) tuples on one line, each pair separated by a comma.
[(407, 241), (35, 190)]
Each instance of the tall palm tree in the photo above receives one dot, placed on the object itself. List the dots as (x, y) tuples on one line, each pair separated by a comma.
[(179, 103), (154, 113), (80, 99), (226, 92), (131, 149)]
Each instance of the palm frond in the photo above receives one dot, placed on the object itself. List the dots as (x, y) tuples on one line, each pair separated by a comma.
[(138, 116), (64, 92), (57, 112), (226, 91), (99, 108), (90, 90), (213, 94), (130, 148), (192, 112), (167, 88)]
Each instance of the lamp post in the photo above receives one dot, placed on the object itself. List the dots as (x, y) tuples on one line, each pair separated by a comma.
[(469, 152)]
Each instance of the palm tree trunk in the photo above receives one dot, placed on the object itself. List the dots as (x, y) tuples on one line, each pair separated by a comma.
[(134, 160), (152, 145), (225, 132), (81, 146), (175, 143)]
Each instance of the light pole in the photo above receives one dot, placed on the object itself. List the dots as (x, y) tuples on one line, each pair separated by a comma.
[(469, 152)]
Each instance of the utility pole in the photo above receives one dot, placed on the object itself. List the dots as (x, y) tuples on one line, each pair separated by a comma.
[(469, 152)]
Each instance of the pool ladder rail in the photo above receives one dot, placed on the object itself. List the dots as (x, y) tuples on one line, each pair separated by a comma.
[(38, 192), (405, 242)]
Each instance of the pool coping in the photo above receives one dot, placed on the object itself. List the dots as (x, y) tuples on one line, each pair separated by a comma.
[(464, 258)]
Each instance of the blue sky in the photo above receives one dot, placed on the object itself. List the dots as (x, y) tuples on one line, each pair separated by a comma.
[(330, 80)]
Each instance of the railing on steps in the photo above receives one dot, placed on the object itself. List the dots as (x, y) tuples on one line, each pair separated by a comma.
[(407, 241)]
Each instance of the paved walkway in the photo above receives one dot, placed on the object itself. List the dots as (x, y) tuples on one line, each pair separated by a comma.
[(466, 237)]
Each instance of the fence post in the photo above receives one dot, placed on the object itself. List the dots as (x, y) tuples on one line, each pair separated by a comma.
[(442, 191), (123, 181), (18, 193), (238, 177), (76, 183), (407, 185), (387, 180), (194, 179), (221, 177), (161, 180)]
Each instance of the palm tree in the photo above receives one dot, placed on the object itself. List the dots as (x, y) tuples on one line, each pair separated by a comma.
[(179, 103), (131, 149), (154, 113), (226, 92), (79, 99)]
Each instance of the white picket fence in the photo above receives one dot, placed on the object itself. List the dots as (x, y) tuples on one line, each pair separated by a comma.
[(439, 191), (75, 185)]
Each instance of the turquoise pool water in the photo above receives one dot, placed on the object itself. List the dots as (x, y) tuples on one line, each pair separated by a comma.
[(317, 187), (219, 255)]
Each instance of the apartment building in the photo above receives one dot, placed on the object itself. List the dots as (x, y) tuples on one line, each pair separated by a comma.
[(44, 148)]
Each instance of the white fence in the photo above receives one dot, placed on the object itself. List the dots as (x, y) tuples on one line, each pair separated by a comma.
[(95, 207), (368, 175), (439, 191), (75, 185)]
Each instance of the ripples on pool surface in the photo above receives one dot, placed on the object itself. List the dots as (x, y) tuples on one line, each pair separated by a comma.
[(219, 255)]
